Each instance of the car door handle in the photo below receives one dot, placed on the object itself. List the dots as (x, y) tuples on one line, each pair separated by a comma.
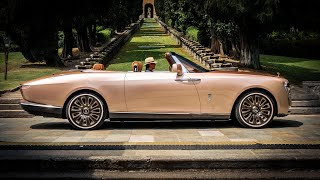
[(188, 80), (195, 80), (182, 80)]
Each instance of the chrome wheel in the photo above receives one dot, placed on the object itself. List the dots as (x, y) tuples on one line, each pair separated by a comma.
[(255, 110), (85, 111)]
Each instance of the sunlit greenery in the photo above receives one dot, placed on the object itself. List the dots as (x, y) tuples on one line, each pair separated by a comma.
[(150, 41), (294, 69), (20, 70)]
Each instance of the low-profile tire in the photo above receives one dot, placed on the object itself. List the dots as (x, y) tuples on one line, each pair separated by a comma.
[(86, 111), (255, 109)]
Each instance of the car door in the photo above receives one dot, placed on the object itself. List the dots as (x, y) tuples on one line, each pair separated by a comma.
[(215, 92), (160, 92)]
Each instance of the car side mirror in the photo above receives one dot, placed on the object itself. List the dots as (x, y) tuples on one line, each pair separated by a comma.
[(177, 68)]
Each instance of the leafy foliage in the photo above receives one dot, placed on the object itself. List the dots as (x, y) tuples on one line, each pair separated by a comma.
[(240, 22), (34, 25), (192, 33), (104, 35)]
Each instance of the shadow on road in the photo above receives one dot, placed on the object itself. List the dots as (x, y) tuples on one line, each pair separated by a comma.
[(52, 125), (129, 124), (285, 123)]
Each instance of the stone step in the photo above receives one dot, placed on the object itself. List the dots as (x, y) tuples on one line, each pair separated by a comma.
[(304, 97), (10, 100), (298, 89), (10, 107), (18, 96), (15, 93), (305, 110), (310, 103), (14, 114)]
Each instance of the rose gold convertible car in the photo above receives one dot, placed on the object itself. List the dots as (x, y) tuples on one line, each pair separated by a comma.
[(186, 91)]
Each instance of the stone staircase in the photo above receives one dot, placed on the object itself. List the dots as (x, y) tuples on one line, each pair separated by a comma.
[(10, 107), (304, 101), (215, 62)]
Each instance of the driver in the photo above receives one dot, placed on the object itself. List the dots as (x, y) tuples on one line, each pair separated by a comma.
[(150, 64)]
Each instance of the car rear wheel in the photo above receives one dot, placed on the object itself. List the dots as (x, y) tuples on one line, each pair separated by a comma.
[(255, 109), (86, 111)]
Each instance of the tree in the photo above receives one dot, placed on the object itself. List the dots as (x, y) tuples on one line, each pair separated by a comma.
[(33, 25), (34, 31), (252, 18), (68, 37), (248, 18)]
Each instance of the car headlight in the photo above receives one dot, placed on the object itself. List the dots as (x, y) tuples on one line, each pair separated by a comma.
[(286, 85), (22, 89)]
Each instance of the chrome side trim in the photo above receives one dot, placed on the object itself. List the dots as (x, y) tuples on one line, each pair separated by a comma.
[(141, 115), (38, 105), (41, 109)]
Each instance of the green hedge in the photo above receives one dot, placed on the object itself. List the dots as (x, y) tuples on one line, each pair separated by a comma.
[(104, 35), (170, 22), (192, 33), (100, 28), (292, 48)]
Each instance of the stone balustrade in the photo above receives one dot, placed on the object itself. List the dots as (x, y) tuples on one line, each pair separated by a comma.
[(204, 55), (107, 53)]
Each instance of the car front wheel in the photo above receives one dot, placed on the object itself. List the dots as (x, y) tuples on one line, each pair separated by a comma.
[(255, 109), (86, 111)]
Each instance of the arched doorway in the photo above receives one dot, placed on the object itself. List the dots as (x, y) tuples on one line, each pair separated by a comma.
[(148, 11)]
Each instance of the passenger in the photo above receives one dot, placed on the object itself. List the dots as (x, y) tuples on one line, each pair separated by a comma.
[(150, 64)]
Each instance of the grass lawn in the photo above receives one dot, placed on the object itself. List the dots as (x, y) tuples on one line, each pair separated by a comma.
[(150, 41), (16, 59), (20, 70), (295, 70)]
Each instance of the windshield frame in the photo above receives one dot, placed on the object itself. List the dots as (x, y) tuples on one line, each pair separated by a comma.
[(177, 59)]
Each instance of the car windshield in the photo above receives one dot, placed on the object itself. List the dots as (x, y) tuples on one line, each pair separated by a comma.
[(189, 65)]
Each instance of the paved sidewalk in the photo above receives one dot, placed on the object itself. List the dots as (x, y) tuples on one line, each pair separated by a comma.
[(36, 147), (287, 130)]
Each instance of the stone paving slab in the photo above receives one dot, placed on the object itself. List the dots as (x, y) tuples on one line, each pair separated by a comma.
[(286, 130)]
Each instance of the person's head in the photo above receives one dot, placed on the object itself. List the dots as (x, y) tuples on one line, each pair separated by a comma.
[(150, 63)]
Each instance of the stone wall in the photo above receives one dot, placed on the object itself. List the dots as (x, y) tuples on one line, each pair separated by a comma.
[(105, 55), (312, 87)]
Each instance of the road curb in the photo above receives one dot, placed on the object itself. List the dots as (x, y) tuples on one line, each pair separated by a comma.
[(152, 164)]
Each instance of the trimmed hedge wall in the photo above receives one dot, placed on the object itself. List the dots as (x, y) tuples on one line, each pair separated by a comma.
[(291, 48), (104, 35), (192, 33)]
